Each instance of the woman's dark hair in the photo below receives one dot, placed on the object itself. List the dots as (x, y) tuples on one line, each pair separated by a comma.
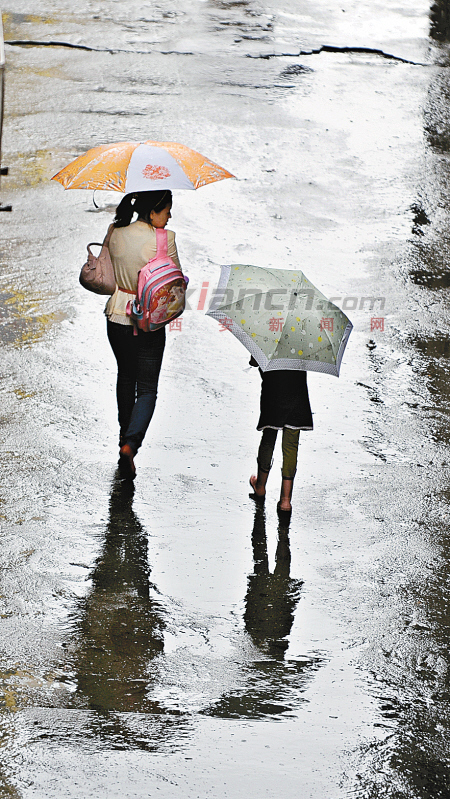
[(141, 203)]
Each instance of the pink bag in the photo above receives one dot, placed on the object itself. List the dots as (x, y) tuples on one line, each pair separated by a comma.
[(161, 290), (97, 273)]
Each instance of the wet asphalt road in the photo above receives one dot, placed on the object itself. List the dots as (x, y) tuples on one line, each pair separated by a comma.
[(179, 641)]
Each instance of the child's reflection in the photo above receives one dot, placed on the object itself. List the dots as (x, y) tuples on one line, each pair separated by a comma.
[(120, 626), (269, 685), (271, 598)]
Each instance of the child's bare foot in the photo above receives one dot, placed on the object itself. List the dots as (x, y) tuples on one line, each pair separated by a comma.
[(284, 505), (258, 490)]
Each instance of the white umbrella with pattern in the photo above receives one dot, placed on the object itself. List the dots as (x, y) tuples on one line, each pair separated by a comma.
[(281, 318)]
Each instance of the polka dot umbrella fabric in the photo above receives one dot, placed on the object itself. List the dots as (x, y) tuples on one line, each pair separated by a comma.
[(283, 320)]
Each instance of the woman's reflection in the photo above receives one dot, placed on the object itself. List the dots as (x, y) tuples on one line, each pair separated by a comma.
[(271, 598), (120, 628)]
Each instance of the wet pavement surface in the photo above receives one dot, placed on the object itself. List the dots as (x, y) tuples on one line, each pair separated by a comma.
[(176, 639)]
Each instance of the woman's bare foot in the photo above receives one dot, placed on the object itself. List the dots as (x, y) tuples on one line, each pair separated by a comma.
[(258, 489)]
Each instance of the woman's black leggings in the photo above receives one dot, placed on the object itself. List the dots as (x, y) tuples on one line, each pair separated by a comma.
[(138, 366)]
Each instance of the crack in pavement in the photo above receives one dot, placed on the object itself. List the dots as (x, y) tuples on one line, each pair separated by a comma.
[(331, 48), (324, 48), (31, 43)]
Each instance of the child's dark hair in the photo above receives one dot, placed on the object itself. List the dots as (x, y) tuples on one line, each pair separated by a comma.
[(142, 203)]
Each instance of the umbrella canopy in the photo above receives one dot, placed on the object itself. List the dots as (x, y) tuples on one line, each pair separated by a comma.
[(284, 321), (140, 166)]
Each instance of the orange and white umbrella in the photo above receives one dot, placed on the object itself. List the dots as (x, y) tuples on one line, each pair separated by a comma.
[(140, 166)]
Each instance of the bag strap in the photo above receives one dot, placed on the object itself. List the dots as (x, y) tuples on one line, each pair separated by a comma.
[(161, 242), (108, 236), (105, 242)]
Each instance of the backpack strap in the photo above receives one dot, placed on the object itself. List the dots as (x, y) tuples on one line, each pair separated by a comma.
[(161, 242)]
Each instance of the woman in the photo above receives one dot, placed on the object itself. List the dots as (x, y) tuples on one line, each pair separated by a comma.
[(139, 357), (284, 406)]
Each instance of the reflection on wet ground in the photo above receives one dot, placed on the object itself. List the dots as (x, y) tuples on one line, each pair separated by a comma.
[(108, 694), (117, 642), (420, 218), (132, 668), (429, 254), (271, 598), (120, 629), (436, 277), (272, 686), (411, 669), (114, 644), (436, 347), (437, 114), (412, 675), (440, 20), (433, 367)]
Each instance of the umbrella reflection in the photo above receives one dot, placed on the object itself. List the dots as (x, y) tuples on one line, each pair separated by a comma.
[(271, 598), (121, 626)]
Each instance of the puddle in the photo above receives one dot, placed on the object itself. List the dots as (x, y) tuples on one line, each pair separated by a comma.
[(12, 20), (440, 21), (21, 393), (20, 321), (30, 169), (433, 347), (271, 689), (431, 280), (295, 69)]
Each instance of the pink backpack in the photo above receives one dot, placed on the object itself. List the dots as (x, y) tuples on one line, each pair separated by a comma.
[(161, 290)]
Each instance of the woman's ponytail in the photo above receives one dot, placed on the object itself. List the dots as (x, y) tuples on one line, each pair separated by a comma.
[(125, 211)]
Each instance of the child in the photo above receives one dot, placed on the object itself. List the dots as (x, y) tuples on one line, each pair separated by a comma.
[(284, 406)]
